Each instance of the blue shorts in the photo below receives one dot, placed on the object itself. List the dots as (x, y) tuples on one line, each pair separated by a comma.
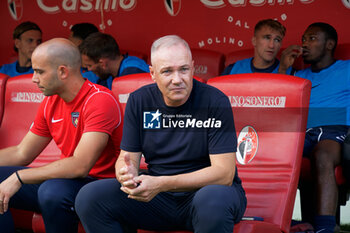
[(330, 132)]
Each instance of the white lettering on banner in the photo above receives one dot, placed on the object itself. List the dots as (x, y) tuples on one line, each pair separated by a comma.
[(27, 97), (48, 9), (258, 101), (243, 3), (218, 40), (237, 22), (127, 4), (213, 3), (85, 5)]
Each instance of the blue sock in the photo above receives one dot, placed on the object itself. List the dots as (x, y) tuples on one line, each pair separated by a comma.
[(324, 224)]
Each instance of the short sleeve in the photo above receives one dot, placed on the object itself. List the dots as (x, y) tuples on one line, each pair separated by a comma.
[(222, 139), (39, 126), (101, 113), (131, 139)]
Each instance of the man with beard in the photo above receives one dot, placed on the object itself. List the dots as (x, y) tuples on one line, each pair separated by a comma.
[(267, 42), (101, 55), (327, 122), (84, 120)]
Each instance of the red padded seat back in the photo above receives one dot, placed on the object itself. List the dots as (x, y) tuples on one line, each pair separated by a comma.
[(207, 63), (124, 85), (3, 79), (342, 52), (270, 112), (22, 99)]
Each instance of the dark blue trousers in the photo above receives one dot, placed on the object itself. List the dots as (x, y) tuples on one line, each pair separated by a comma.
[(103, 207), (54, 199)]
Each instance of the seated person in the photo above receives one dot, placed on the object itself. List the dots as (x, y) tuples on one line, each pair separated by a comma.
[(267, 41), (80, 31), (77, 35), (101, 55), (84, 121), (192, 182), (328, 120), (26, 36)]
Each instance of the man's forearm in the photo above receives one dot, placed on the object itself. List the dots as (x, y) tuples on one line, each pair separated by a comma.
[(12, 156), (197, 179), (67, 168)]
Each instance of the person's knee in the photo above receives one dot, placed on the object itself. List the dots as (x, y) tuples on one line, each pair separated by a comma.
[(324, 159), (49, 196), (213, 201), (92, 197), (209, 195), (214, 209), (84, 196)]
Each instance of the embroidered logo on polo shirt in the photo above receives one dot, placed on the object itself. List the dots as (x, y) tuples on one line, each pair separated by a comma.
[(75, 116), (56, 120)]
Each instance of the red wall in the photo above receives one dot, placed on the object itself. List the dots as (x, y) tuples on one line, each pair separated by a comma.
[(222, 25)]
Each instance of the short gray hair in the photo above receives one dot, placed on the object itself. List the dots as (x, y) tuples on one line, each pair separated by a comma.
[(168, 41)]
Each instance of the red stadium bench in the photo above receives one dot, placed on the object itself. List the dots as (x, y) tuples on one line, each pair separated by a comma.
[(342, 52), (3, 79), (270, 113), (207, 64), (123, 86), (39, 227), (22, 99)]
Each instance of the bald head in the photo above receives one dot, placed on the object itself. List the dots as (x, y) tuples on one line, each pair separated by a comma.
[(59, 51)]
